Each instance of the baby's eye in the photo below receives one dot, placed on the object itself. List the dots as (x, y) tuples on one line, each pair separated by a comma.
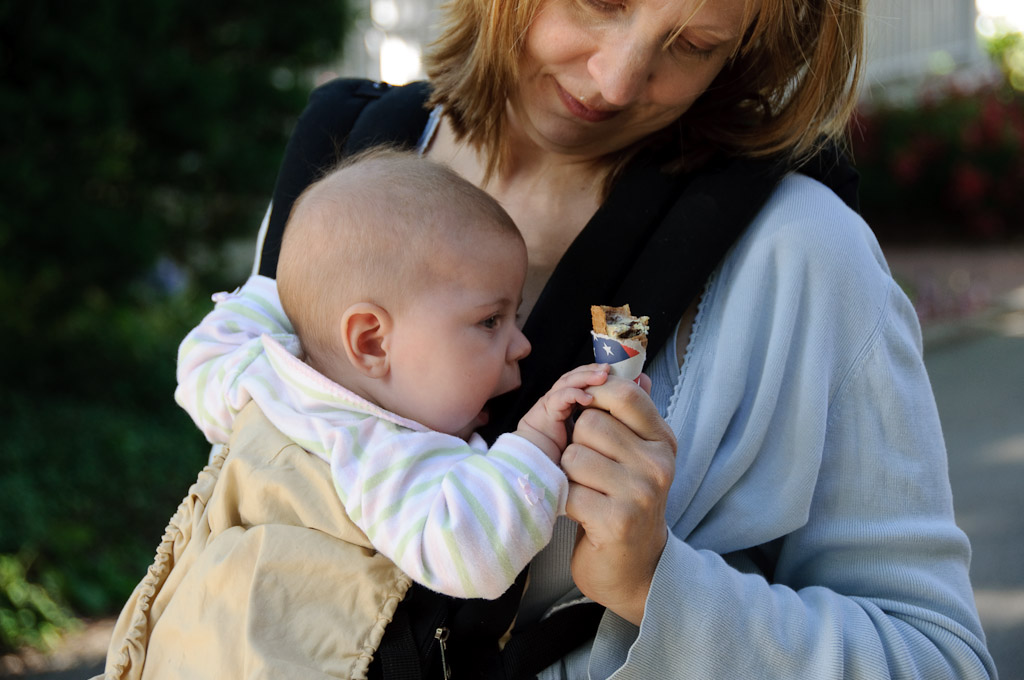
[(491, 322)]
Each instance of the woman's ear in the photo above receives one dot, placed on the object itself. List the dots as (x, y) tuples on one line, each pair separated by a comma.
[(364, 331)]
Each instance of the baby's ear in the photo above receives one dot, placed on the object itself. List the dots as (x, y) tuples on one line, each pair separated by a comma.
[(364, 329)]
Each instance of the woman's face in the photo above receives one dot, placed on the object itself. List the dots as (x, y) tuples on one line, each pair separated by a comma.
[(598, 75)]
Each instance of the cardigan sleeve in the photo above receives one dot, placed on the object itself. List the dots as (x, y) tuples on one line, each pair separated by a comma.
[(873, 586), (815, 443)]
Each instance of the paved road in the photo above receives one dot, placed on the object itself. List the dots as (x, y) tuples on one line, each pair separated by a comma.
[(979, 387)]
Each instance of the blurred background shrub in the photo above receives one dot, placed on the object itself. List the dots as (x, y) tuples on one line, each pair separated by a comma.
[(28, 612), (950, 166), (139, 139)]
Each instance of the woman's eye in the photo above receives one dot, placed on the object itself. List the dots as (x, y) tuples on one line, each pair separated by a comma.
[(684, 46), (603, 7)]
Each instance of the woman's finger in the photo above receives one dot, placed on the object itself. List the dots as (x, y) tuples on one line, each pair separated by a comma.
[(618, 547), (630, 405), (603, 432), (620, 466), (586, 467), (586, 506)]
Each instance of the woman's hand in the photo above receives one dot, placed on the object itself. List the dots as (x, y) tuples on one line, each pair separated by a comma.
[(620, 466)]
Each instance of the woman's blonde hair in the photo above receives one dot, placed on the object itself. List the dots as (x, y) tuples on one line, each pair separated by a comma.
[(790, 86)]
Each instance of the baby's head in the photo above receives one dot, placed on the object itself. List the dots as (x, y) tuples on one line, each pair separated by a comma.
[(402, 281)]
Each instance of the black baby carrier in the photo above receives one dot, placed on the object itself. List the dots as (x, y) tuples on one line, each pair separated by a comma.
[(669, 233)]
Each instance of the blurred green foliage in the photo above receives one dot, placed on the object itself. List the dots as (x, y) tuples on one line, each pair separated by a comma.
[(1007, 50), (139, 138), (28, 613), (951, 166)]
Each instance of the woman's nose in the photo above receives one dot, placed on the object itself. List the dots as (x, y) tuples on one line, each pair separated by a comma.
[(621, 69)]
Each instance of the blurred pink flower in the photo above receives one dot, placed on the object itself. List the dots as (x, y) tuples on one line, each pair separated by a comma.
[(987, 225), (906, 166), (971, 137), (969, 184)]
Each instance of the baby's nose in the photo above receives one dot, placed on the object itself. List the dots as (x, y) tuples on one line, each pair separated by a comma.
[(519, 348)]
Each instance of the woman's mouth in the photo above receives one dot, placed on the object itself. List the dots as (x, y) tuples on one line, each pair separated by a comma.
[(581, 110)]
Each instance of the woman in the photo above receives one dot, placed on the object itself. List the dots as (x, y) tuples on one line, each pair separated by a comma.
[(780, 507)]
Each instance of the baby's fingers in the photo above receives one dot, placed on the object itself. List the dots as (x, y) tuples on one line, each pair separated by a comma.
[(582, 377), (560, 402)]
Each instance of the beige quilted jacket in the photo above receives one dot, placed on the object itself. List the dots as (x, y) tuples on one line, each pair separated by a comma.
[(260, 574)]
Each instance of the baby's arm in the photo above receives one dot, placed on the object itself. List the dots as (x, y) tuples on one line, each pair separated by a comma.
[(222, 349), (545, 424), (461, 521)]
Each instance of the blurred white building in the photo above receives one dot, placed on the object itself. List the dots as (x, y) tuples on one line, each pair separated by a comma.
[(911, 40), (389, 39), (907, 41)]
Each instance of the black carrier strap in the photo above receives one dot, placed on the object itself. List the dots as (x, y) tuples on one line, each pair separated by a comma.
[(401, 656), (331, 127), (537, 647), (411, 647), (652, 244), (398, 656)]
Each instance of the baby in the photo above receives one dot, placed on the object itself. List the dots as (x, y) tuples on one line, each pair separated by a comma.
[(402, 282)]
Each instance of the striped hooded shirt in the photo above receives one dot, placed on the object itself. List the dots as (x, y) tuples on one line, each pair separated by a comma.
[(457, 517)]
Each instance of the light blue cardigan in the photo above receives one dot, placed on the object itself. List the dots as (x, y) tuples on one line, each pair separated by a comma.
[(806, 421)]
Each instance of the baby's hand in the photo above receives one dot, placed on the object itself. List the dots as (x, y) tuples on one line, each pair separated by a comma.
[(544, 425)]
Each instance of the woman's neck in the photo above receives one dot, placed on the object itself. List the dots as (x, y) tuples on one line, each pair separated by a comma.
[(550, 197)]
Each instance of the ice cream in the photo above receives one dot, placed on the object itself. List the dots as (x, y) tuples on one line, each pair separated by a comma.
[(620, 339)]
